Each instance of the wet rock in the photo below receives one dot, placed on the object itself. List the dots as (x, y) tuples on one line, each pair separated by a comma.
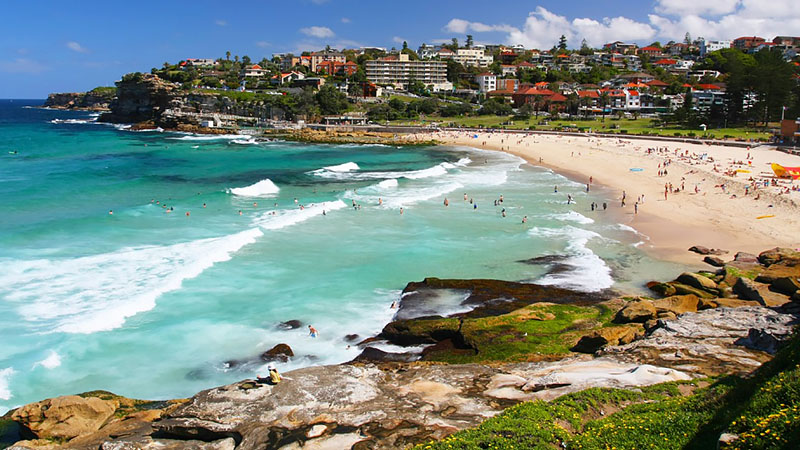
[(639, 311), (281, 352), (290, 325), (605, 337), (677, 304), (777, 255), (775, 271), (351, 337), (372, 354), (63, 417), (700, 250), (714, 261), (416, 332), (697, 281)]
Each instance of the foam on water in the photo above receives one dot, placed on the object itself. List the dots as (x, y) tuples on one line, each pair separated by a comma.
[(251, 141), (5, 379), (346, 172), (346, 167), (52, 361), (588, 272), (387, 184), (404, 197), (571, 216), (287, 217), (264, 188), (98, 292), (210, 137)]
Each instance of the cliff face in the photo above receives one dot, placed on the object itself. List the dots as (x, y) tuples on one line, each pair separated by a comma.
[(92, 100), (139, 99), (147, 98)]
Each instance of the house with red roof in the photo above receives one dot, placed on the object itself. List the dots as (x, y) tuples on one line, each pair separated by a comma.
[(745, 43), (540, 99), (254, 71), (287, 78), (651, 51)]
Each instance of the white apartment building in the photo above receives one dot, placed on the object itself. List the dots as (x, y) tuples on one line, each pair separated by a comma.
[(486, 81), (400, 70), (469, 57), (707, 47)]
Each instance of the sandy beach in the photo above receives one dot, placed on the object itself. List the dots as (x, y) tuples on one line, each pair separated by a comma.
[(709, 203)]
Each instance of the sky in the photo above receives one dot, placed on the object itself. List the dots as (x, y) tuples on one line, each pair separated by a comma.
[(56, 46)]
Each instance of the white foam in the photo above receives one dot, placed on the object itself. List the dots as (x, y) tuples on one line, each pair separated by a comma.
[(99, 292), (5, 379), (589, 273), (288, 217), (74, 121), (263, 188), (250, 141), (387, 184), (624, 227), (571, 216), (346, 167), (210, 137), (407, 196), (52, 361)]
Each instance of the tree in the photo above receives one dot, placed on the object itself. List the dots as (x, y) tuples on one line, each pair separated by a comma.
[(417, 87), (331, 101), (405, 45), (772, 83), (495, 107), (227, 56), (454, 43), (454, 71), (246, 60), (469, 41), (585, 49), (687, 39), (562, 42)]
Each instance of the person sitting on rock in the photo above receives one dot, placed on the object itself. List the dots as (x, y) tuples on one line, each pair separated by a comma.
[(274, 376)]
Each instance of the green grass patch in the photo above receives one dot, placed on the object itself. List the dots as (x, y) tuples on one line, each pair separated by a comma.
[(104, 90), (763, 410), (532, 332)]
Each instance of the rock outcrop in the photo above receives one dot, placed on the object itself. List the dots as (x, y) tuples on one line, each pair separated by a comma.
[(95, 100), (63, 417)]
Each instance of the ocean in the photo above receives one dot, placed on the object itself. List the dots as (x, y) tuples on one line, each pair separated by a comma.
[(214, 241)]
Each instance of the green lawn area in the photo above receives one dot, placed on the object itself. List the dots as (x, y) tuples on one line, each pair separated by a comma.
[(609, 125), (529, 333)]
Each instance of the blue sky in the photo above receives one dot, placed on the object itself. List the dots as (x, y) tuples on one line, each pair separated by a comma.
[(55, 46)]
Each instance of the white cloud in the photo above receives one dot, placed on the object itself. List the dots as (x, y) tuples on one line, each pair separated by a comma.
[(399, 40), (695, 7), (346, 20), (318, 32), (263, 44), (670, 20), (221, 23), (23, 65), (76, 47)]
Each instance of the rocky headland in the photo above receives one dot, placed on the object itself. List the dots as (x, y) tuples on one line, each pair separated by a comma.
[(511, 343), (98, 99)]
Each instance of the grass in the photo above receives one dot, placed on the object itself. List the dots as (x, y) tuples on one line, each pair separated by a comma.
[(763, 410), (609, 125), (104, 90), (530, 333)]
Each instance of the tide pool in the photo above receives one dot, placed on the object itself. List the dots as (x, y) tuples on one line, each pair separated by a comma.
[(214, 241)]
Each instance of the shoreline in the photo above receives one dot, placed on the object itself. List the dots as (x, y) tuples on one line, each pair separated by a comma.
[(711, 218)]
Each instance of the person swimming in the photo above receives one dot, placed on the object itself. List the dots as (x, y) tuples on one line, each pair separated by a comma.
[(525, 219)]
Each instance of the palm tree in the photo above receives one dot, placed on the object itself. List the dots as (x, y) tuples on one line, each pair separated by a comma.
[(228, 56), (604, 103)]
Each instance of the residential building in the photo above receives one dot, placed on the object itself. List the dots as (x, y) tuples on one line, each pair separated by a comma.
[(200, 62), (651, 51), (698, 74), (288, 62), (337, 68), (254, 71), (746, 43), (287, 78), (508, 70), (426, 51), (787, 41), (540, 99), (707, 47), (486, 82), (324, 56), (707, 96), (400, 70), (469, 57), (621, 47)]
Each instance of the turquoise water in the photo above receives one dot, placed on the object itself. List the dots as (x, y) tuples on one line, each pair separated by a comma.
[(152, 304)]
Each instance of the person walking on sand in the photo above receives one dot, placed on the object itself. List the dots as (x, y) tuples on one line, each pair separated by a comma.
[(605, 206), (312, 331), (636, 208)]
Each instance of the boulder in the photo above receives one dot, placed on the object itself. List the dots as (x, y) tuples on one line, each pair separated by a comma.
[(281, 352), (744, 257), (290, 325), (685, 289), (697, 281), (775, 271), (706, 303), (785, 285), (796, 297), (761, 340), (700, 250), (608, 336), (63, 417), (662, 289), (351, 337), (639, 311), (778, 255), (734, 303), (714, 261), (748, 289), (677, 304)]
